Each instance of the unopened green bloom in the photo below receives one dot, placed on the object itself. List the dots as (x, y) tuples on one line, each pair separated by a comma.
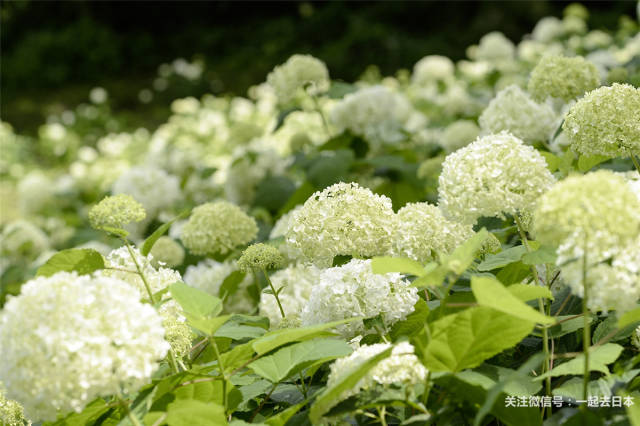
[(513, 110), (564, 78), (458, 134), (300, 71), (116, 211), (606, 122), (218, 227), (260, 256), (167, 252), (594, 213), (11, 412)]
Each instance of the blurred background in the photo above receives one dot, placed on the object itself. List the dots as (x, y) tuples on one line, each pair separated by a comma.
[(147, 53)]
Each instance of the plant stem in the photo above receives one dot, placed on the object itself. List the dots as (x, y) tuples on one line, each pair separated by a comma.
[(635, 161), (319, 110), (443, 301), (586, 330), (222, 372), (132, 417), (144, 279), (382, 412), (266, 276)]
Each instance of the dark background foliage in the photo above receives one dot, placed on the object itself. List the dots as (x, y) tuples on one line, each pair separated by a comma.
[(54, 52)]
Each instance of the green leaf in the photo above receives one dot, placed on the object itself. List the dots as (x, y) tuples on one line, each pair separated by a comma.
[(207, 325), (290, 359), (283, 417), (277, 338), (239, 331), (465, 339), (544, 255), (503, 258), (434, 276), (195, 302), (189, 412), (82, 261), (330, 167), (599, 357), (339, 88), (553, 162), (609, 328), (162, 229), (91, 413), (492, 294), (630, 317), (121, 233), (403, 265), (526, 292), (463, 256), (587, 162), (283, 116), (230, 284), (487, 376), (330, 396), (566, 327)]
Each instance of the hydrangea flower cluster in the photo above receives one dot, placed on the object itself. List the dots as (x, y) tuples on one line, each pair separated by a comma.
[(353, 290), (11, 412), (376, 113), (153, 187), (432, 69), (423, 233), (260, 256), (296, 282), (596, 212), (493, 176), (343, 219), (167, 252), (606, 121), (513, 110), (116, 211), (68, 339), (563, 78), (402, 367), (218, 227), (300, 71), (458, 134)]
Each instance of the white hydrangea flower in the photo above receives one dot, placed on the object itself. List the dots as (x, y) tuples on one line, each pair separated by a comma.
[(633, 179), (299, 72), (494, 46), (35, 192), (432, 68), (353, 290), (495, 175), (401, 367), (458, 134), (21, 238), (548, 29), (67, 339), (376, 113), (289, 251), (343, 219), (298, 281), (154, 188), (423, 233), (11, 411), (515, 111), (208, 276)]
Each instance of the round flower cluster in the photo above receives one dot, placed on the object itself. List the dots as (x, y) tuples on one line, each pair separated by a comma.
[(494, 175), (154, 188), (260, 256), (606, 121), (167, 252), (177, 332), (279, 229), (513, 110), (116, 211), (596, 212), (376, 113), (209, 275), (353, 290), (300, 71), (401, 367), (11, 412), (343, 219), (458, 134), (23, 238), (67, 339), (218, 227), (564, 78), (297, 282), (423, 233), (494, 46), (432, 68)]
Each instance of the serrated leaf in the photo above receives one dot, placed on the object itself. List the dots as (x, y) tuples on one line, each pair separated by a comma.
[(330, 396), (587, 162), (194, 301), (501, 259), (526, 292), (277, 338), (631, 317), (288, 360), (189, 412), (82, 261), (162, 229), (465, 339), (403, 265), (609, 327), (492, 294), (463, 256), (543, 255), (599, 357)]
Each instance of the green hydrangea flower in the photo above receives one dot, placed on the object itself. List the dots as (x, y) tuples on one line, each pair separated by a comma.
[(606, 121), (260, 256), (300, 71), (116, 211), (167, 252), (563, 78), (218, 227)]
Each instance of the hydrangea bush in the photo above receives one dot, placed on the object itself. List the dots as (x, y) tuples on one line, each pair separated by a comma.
[(457, 243)]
